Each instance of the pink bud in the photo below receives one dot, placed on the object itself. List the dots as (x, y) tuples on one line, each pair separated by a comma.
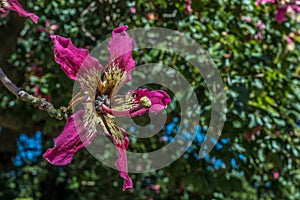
[(132, 10)]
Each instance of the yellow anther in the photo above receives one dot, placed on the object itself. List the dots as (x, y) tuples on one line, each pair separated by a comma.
[(145, 102)]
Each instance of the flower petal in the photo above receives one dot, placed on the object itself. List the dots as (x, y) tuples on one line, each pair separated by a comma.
[(280, 15), (121, 163), (258, 2), (54, 27), (70, 57), (159, 100), (120, 48), (188, 8), (14, 5), (41, 29), (68, 142)]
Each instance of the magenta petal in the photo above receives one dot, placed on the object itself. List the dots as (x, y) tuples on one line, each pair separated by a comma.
[(280, 15), (68, 142), (188, 7), (159, 101), (258, 2), (47, 22), (14, 5), (120, 48), (41, 29), (121, 163), (70, 57), (296, 8)]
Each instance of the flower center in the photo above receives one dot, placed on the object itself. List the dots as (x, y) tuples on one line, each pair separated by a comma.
[(100, 100)]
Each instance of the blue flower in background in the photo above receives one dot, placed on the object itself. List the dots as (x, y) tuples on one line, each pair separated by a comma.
[(29, 148), (268, 184), (242, 157), (216, 163), (255, 185)]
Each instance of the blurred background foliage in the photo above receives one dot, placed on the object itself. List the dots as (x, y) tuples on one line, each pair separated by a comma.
[(257, 156)]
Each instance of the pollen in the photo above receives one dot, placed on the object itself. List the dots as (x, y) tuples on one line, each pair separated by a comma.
[(145, 102)]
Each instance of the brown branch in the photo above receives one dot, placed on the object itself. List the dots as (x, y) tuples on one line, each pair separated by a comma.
[(42, 104), (91, 8)]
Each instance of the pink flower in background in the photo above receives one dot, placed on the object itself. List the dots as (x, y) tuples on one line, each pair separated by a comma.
[(151, 16), (14, 5), (290, 42), (49, 28), (283, 6), (289, 39), (258, 36), (260, 25), (36, 91), (259, 2), (276, 175), (246, 18), (99, 90), (155, 187), (251, 135), (132, 10), (188, 8)]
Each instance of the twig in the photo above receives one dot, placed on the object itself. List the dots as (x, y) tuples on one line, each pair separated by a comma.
[(91, 8), (42, 104)]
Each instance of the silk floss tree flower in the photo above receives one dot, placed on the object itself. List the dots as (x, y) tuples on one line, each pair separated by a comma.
[(14, 5), (96, 96)]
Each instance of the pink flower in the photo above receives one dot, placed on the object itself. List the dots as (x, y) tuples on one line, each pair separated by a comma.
[(290, 42), (98, 98), (282, 8), (156, 188), (132, 10), (258, 36), (280, 15), (36, 91), (246, 18), (276, 175), (188, 8), (251, 135), (260, 25), (14, 5), (49, 28), (259, 2), (151, 16)]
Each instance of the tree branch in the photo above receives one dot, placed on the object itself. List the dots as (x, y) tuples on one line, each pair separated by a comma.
[(42, 104)]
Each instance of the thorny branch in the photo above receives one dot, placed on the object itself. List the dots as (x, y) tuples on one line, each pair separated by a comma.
[(42, 104)]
